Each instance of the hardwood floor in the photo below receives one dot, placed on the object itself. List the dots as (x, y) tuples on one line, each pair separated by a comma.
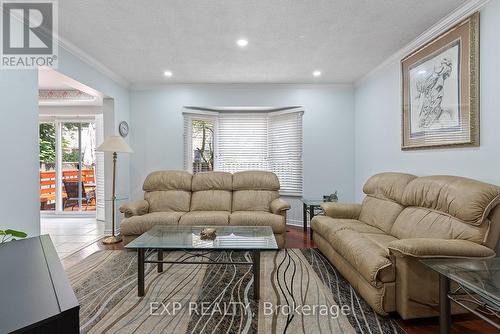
[(298, 238)]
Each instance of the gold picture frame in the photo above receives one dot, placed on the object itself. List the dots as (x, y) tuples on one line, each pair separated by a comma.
[(440, 90)]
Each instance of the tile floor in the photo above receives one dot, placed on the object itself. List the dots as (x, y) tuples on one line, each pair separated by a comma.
[(71, 234)]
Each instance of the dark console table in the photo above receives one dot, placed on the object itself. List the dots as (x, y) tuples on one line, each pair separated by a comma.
[(35, 293)]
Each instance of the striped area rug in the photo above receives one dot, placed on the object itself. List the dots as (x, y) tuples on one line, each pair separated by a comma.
[(301, 292)]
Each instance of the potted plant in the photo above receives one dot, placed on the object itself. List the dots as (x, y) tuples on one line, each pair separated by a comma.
[(9, 235)]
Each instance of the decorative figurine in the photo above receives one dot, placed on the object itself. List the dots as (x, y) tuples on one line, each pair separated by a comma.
[(208, 233), (331, 198)]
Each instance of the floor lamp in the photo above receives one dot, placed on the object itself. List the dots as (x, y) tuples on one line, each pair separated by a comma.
[(114, 144)]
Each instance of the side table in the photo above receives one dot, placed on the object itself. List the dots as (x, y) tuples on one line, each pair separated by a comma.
[(311, 207)]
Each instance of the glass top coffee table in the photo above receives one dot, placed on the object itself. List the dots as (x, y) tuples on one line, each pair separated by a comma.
[(478, 292), (187, 238)]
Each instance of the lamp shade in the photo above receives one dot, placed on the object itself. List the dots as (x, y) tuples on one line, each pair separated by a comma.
[(114, 144)]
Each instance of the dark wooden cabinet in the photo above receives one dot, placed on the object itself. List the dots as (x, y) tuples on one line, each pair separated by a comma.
[(35, 294)]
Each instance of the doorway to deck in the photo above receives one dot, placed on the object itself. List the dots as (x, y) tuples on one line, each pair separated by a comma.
[(71, 126)]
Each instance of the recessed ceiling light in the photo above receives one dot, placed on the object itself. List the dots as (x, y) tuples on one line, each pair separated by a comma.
[(242, 42), (317, 73), (168, 73)]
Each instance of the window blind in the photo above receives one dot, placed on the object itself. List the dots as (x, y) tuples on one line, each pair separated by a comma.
[(99, 170), (242, 142), (285, 150)]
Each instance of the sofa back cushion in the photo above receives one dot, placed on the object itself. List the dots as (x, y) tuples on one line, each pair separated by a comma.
[(168, 191), (212, 191), (447, 207), (382, 203), (254, 190)]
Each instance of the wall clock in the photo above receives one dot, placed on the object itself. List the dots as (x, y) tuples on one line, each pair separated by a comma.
[(123, 129)]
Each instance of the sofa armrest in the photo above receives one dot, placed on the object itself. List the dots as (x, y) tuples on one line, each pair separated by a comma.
[(135, 208), (278, 206), (439, 248), (341, 210)]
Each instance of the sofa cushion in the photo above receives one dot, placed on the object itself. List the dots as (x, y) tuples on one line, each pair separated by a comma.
[(212, 181), (465, 199), (202, 218), (255, 180), (254, 218), (254, 190), (415, 222), (370, 259), (380, 212), (253, 200), (326, 225), (168, 180), (388, 185), (137, 225), (382, 240), (212, 191), (168, 200), (211, 200)]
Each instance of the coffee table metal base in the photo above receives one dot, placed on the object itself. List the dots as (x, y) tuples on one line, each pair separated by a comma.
[(142, 259)]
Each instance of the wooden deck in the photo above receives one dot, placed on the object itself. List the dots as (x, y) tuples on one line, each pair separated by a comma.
[(48, 188)]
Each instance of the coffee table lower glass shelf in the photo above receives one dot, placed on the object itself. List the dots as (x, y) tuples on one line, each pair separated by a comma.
[(478, 290), (187, 238)]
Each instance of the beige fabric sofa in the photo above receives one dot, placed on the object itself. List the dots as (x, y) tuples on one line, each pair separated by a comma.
[(377, 245), (249, 198)]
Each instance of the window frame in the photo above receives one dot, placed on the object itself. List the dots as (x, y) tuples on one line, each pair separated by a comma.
[(213, 113), (188, 137)]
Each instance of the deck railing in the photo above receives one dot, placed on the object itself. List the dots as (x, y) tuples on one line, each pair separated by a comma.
[(48, 183)]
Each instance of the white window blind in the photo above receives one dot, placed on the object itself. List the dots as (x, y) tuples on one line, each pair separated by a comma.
[(99, 169), (242, 142), (285, 150), (270, 141)]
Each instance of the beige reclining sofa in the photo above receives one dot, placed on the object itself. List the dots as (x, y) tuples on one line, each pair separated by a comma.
[(377, 245), (249, 198)]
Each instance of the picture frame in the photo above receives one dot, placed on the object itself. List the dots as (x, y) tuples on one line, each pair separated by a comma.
[(440, 90)]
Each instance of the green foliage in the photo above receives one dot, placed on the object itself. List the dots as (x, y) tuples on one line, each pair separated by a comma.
[(47, 142), (9, 234)]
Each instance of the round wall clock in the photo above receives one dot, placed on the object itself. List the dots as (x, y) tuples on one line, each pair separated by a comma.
[(123, 129)]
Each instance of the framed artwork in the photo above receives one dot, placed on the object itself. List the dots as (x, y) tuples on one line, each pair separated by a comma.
[(441, 90)]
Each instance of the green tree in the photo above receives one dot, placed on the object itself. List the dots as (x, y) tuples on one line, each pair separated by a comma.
[(47, 142), (206, 129)]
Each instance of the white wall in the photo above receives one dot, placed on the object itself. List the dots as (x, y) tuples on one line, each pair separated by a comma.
[(19, 198), (157, 128), (378, 121)]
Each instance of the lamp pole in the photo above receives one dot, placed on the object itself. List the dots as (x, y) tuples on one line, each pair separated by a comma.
[(113, 239)]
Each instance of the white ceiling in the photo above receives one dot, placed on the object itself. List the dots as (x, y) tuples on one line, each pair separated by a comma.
[(288, 39)]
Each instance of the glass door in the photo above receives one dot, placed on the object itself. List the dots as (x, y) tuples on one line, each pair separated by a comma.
[(68, 183), (47, 154)]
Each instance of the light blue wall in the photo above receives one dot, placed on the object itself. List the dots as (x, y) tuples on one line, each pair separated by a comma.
[(378, 121), (157, 128), (19, 200)]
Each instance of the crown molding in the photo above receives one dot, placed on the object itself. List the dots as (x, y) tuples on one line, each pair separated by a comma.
[(458, 15), (97, 65)]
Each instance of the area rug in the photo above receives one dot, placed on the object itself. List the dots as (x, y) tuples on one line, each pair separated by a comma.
[(301, 292)]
